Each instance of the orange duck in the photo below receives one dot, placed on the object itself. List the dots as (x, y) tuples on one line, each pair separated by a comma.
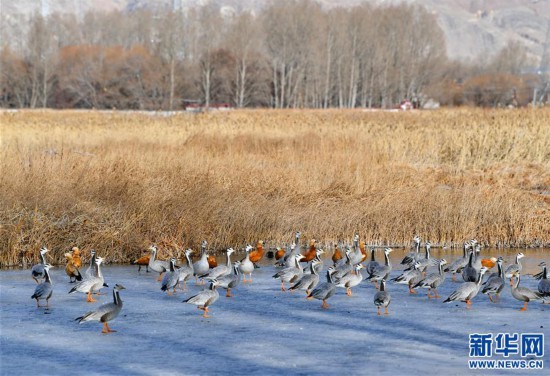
[(337, 255), (77, 262), (363, 250), (212, 262), (279, 253), (71, 269), (311, 252), (142, 261), (257, 254), (489, 263)]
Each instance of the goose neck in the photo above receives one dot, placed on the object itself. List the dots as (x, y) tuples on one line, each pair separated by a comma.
[(228, 257), (47, 273)]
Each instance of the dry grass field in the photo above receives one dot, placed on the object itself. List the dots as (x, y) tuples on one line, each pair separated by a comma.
[(118, 182)]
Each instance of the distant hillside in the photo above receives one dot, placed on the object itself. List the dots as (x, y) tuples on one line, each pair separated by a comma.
[(472, 27)]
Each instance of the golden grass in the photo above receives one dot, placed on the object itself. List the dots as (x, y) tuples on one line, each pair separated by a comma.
[(118, 182)]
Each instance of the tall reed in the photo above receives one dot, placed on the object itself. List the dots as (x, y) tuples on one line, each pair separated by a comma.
[(118, 182)]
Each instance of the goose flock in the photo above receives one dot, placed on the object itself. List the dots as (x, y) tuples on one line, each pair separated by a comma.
[(302, 268)]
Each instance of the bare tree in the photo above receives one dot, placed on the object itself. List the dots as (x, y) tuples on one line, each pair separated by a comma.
[(209, 24), (170, 45), (294, 53), (244, 38), (510, 59), (42, 52)]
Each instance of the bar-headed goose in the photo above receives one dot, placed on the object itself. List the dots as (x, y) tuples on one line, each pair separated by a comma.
[(37, 270), (409, 277), (434, 280), (524, 294), (514, 269), (467, 291), (290, 274), (44, 290), (495, 283), (246, 266), (351, 279), (91, 284), (201, 266), (324, 291), (382, 271), (171, 278), (155, 265), (382, 298), (544, 284), (205, 298), (308, 281), (220, 270), (106, 312)]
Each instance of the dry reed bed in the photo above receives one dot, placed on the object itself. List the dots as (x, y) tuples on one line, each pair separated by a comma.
[(118, 182)]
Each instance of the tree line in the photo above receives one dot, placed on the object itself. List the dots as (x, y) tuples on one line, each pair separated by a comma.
[(291, 54)]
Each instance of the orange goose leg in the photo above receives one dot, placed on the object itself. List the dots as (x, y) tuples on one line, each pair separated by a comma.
[(90, 298), (524, 308), (106, 329)]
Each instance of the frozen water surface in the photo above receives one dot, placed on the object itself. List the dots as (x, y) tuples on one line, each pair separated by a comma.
[(261, 331)]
